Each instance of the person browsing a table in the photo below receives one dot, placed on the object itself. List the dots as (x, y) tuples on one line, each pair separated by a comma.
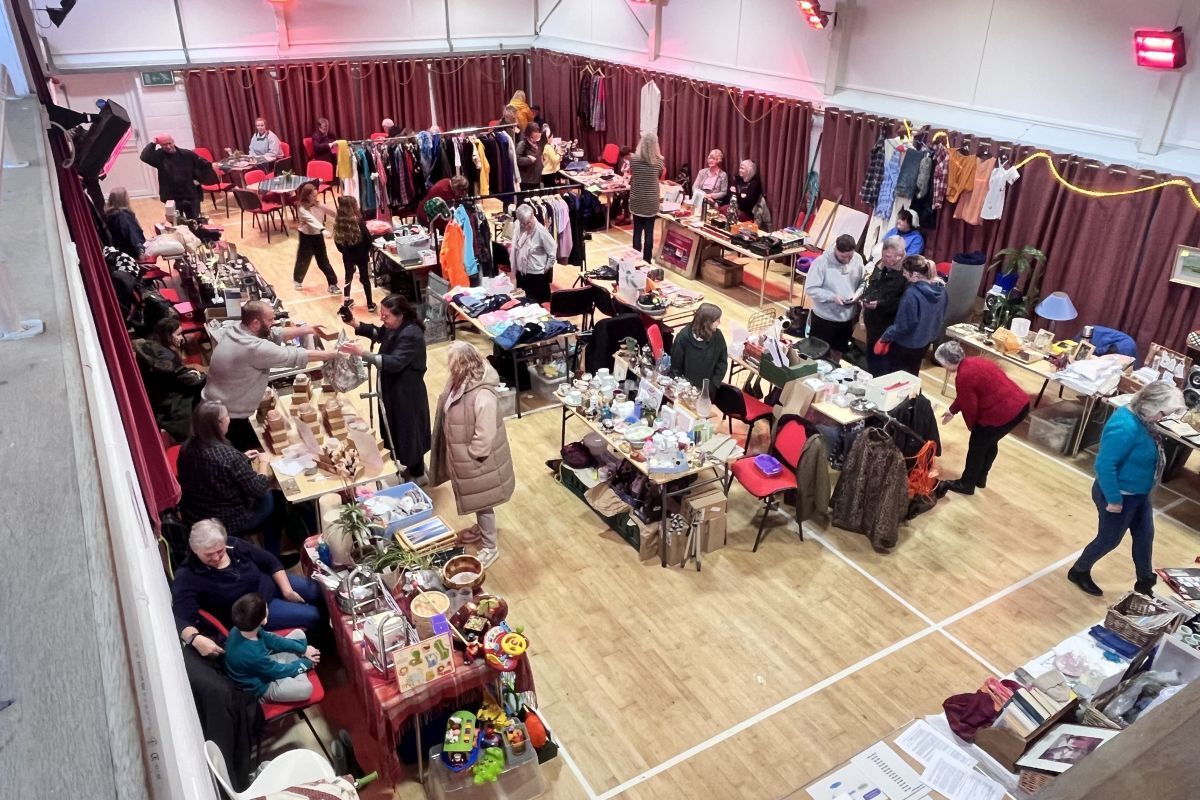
[(699, 352), (313, 233), (920, 319), (529, 157), (470, 447), (914, 242), (747, 190), (180, 174), (264, 143), (881, 300), (834, 282), (645, 169), (534, 254), (449, 190), (1128, 467), (403, 398), (713, 181), (242, 361), (221, 570), (991, 405), (322, 141), (221, 482)]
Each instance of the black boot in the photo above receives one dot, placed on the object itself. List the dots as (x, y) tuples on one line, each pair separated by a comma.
[(959, 487), (1146, 585), (1083, 579)]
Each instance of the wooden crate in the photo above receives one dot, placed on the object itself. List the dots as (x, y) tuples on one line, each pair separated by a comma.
[(722, 274)]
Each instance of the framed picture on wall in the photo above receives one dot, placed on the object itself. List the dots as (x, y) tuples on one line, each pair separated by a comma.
[(1187, 266)]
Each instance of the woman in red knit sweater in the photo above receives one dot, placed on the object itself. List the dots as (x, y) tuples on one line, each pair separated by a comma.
[(991, 405)]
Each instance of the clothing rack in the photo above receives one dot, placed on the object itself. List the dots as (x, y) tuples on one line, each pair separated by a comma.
[(521, 193), (412, 136), (888, 420)]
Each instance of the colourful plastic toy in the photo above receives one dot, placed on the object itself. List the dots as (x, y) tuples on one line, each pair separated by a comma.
[(490, 766), (460, 749)]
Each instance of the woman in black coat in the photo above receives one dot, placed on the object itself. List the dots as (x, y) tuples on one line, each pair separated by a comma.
[(172, 387), (404, 399)]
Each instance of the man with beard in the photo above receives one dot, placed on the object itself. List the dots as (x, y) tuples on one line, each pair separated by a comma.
[(242, 362)]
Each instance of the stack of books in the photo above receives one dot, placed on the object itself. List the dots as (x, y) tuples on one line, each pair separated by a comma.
[(1036, 702)]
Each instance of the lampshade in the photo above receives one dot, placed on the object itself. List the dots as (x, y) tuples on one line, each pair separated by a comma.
[(1057, 307)]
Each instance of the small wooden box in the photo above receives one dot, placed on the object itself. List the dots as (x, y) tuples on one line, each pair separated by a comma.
[(721, 274)]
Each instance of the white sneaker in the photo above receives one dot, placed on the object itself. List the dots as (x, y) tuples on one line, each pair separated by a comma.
[(298, 285), (333, 289), (488, 555)]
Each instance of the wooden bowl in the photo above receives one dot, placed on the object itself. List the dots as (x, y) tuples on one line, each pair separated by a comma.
[(469, 567)]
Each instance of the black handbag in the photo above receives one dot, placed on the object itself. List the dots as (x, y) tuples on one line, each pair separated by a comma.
[(766, 246)]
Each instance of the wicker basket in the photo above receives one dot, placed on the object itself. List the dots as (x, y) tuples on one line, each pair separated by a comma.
[(1118, 620), (1033, 781), (1090, 715)]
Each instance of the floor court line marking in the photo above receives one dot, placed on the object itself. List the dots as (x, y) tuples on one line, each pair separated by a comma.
[(766, 713), (574, 767)]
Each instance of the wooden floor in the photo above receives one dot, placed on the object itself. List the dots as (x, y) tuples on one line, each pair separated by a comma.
[(758, 674)]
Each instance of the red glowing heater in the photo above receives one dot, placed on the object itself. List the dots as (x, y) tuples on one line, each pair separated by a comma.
[(813, 15), (1159, 49)]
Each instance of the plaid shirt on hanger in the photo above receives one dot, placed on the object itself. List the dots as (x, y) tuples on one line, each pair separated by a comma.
[(941, 174), (874, 177)]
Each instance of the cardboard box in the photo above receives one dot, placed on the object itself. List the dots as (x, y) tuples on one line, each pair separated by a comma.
[(712, 533), (797, 396), (711, 500), (718, 273)]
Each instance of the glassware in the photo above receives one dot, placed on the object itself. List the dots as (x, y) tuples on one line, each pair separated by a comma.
[(703, 402)]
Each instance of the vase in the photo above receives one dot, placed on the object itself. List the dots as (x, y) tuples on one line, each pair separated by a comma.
[(704, 402), (340, 540)]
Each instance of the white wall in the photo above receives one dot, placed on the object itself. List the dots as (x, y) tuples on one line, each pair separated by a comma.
[(248, 30), (1055, 73)]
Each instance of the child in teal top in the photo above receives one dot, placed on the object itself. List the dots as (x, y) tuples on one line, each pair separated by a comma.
[(267, 665)]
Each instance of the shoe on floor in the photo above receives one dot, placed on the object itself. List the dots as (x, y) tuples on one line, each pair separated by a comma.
[(959, 487), (981, 484), (348, 302), (1084, 581), (347, 746), (470, 535), (488, 555), (1146, 586), (298, 285), (371, 307), (333, 289)]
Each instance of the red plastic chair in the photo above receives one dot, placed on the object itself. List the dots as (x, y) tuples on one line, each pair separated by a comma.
[(323, 172), (284, 162), (203, 152), (254, 176), (220, 187), (745, 408), (258, 207), (788, 445), (378, 135), (308, 147), (273, 712), (610, 154)]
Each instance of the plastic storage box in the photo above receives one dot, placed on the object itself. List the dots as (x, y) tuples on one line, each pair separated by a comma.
[(1054, 426), (400, 491), (545, 386), (521, 779)]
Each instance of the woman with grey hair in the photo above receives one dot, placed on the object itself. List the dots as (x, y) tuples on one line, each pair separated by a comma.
[(645, 168), (534, 253), (746, 190), (991, 405), (881, 300), (221, 570), (1128, 466)]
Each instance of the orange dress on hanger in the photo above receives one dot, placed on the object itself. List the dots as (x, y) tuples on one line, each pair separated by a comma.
[(971, 206)]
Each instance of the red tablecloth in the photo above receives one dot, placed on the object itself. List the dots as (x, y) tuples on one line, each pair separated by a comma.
[(388, 712)]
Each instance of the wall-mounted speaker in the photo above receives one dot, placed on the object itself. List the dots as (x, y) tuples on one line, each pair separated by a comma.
[(103, 138), (1191, 389)]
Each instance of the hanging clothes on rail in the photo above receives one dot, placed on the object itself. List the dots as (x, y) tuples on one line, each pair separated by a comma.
[(871, 496)]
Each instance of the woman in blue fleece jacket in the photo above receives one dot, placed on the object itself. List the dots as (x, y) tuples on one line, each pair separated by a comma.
[(1127, 468), (920, 319)]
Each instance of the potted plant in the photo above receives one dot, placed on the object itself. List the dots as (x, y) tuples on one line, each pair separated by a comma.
[(349, 535), (1015, 262), (394, 561)]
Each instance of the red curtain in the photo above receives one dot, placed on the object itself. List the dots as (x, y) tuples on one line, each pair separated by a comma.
[(159, 488), (473, 90), (694, 118), (309, 91), (224, 101), (1112, 255), (395, 89)]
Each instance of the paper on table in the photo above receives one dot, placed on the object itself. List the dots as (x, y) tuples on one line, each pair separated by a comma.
[(888, 769), (925, 744), (960, 783), (289, 466), (848, 783)]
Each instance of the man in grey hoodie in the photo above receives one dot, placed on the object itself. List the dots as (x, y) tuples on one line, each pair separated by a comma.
[(835, 283), (241, 365)]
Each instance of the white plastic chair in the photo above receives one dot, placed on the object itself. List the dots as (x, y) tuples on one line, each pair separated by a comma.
[(293, 768)]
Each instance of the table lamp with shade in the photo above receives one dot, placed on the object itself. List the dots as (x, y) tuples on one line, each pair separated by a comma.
[(1056, 307)]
